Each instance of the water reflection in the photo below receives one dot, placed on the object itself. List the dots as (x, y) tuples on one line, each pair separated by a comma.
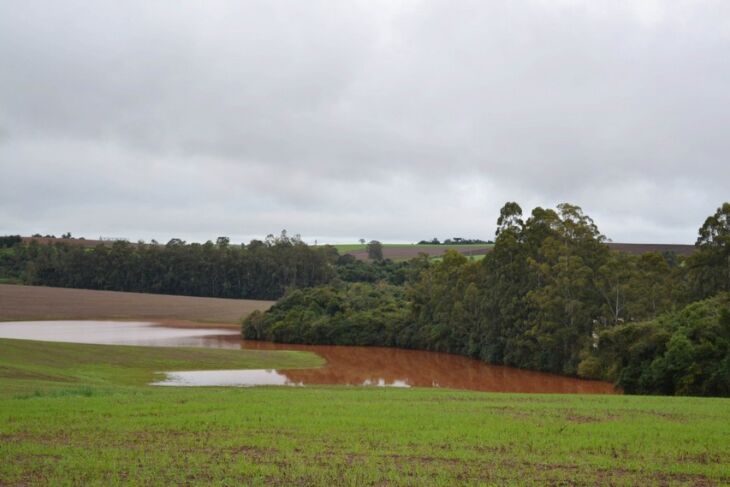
[(374, 366), (116, 333), (236, 378), (247, 378), (415, 368)]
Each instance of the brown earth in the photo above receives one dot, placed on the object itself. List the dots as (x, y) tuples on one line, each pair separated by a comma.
[(405, 253), (48, 303), (638, 248)]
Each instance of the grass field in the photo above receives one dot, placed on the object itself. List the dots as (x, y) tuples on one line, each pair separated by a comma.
[(83, 414), (50, 303)]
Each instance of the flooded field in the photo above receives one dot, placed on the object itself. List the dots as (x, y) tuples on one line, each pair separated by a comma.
[(374, 366)]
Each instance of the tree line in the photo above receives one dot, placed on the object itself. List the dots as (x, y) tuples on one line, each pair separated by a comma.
[(259, 270), (456, 241), (551, 296), (8, 241)]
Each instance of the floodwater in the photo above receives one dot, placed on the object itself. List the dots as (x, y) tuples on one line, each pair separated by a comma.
[(114, 333), (357, 366)]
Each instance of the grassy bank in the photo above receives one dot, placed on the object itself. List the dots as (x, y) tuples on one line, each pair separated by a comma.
[(28, 366), (82, 414)]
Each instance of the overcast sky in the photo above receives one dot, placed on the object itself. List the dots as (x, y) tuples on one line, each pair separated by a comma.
[(338, 120)]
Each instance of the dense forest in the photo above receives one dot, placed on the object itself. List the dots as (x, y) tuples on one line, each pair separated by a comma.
[(260, 270), (550, 296)]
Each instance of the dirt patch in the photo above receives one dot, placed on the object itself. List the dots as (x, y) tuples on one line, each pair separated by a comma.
[(705, 458), (674, 417), (574, 417), (577, 418), (14, 438), (255, 452)]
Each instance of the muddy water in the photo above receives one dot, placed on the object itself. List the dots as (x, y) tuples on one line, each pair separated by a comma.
[(345, 365)]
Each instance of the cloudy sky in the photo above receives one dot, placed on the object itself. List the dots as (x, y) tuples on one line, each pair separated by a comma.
[(393, 120)]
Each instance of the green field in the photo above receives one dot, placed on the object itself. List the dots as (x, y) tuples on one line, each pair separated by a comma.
[(83, 414)]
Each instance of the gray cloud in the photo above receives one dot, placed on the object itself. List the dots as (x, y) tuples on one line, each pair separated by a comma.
[(390, 120)]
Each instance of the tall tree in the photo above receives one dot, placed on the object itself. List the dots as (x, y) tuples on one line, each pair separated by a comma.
[(565, 302), (375, 250), (710, 265)]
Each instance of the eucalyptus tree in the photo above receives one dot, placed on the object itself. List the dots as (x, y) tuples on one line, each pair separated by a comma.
[(710, 265)]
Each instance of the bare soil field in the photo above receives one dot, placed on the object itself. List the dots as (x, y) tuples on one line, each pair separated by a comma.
[(48, 303), (638, 248), (409, 252)]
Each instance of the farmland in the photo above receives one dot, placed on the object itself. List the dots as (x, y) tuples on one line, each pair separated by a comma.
[(48, 303)]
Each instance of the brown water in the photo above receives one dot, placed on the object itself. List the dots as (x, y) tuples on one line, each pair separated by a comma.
[(374, 366)]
